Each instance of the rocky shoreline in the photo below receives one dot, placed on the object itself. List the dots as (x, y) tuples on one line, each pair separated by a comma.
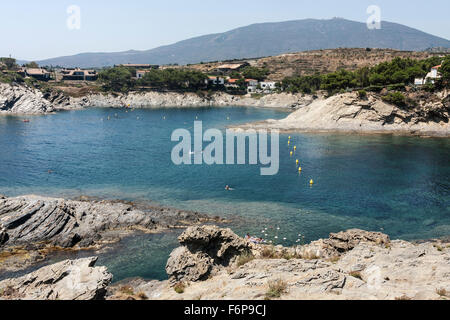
[(214, 263), (23, 100), (32, 227), (348, 113), (345, 113)]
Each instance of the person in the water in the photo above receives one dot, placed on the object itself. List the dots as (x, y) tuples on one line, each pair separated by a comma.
[(228, 188)]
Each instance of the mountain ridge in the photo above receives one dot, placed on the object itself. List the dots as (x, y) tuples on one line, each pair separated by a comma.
[(265, 39)]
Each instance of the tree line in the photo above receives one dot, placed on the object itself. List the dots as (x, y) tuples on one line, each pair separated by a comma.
[(395, 74)]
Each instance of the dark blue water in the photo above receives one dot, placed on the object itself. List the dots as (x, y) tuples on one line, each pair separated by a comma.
[(399, 185)]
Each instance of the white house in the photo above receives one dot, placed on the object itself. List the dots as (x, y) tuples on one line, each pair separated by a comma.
[(268, 85), (431, 77), (252, 85)]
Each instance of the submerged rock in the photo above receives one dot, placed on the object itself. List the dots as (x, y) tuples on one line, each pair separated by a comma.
[(66, 280)]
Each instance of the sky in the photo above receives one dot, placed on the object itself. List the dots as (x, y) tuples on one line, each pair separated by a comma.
[(36, 30)]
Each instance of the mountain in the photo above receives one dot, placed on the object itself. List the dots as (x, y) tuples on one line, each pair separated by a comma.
[(266, 39)]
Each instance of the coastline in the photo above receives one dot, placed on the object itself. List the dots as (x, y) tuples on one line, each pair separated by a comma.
[(343, 113), (33, 227), (349, 114), (215, 263)]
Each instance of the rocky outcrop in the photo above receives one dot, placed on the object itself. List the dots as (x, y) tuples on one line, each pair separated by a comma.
[(204, 250), (66, 280), (351, 265), (340, 243), (348, 113), (29, 224), (23, 100), (174, 99)]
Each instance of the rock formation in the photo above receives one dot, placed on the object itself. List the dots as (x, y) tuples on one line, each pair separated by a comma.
[(31, 223), (21, 99), (66, 280), (203, 251), (348, 113), (353, 265)]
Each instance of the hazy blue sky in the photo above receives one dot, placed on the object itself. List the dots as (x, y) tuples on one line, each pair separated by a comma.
[(35, 30)]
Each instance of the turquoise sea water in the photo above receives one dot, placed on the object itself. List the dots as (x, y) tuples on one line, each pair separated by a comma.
[(398, 185)]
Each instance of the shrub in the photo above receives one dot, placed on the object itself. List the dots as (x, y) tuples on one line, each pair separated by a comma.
[(276, 289), (245, 258), (395, 98), (179, 287), (362, 94)]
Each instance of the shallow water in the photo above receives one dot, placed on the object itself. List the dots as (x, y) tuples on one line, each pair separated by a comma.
[(399, 185)]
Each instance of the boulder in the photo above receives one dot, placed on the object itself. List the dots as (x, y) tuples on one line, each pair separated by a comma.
[(204, 250), (66, 280), (342, 242)]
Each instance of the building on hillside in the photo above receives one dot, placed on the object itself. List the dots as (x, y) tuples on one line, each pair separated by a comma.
[(232, 84), (252, 85), (215, 81), (36, 73), (141, 73), (139, 66), (268, 85), (75, 74), (431, 77)]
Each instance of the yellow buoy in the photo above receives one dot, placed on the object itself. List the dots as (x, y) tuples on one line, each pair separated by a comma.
[(289, 137), (295, 147), (289, 142), (291, 153), (311, 182), (300, 169), (296, 161)]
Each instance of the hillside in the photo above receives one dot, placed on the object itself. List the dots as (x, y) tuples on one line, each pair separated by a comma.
[(320, 61), (266, 39)]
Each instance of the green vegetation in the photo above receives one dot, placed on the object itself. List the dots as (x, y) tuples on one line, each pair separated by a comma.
[(259, 74), (179, 287), (11, 77), (276, 289), (31, 65), (245, 258), (117, 79), (121, 79), (10, 63), (395, 98), (393, 75), (445, 71), (174, 79)]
